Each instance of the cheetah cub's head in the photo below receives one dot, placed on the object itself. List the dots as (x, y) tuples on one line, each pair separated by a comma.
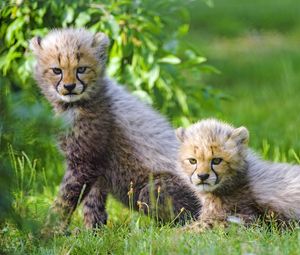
[(212, 153), (69, 62)]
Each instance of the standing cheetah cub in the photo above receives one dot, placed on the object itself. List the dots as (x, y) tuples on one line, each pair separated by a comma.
[(115, 142), (231, 179)]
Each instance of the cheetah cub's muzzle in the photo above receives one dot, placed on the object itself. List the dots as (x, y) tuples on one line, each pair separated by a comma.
[(71, 84), (204, 177)]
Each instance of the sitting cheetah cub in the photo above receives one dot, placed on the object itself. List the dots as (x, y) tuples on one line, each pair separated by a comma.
[(115, 142), (231, 179)]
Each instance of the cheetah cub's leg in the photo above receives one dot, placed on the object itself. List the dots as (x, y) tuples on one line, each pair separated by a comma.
[(212, 214), (74, 187), (94, 205), (169, 199)]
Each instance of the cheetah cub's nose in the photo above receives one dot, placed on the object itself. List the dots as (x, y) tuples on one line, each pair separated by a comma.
[(69, 87), (203, 177)]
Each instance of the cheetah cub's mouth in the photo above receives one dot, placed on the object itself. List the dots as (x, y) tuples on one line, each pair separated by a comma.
[(70, 86), (204, 182)]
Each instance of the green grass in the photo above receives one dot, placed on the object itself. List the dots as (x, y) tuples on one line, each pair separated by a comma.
[(127, 232), (152, 240), (255, 46)]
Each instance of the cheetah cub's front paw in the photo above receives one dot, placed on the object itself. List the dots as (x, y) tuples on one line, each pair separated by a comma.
[(204, 225)]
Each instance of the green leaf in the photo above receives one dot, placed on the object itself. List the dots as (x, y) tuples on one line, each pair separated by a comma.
[(153, 76), (68, 16), (170, 59), (12, 29), (181, 96), (209, 69), (82, 19), (114, 65), (183, 30), (143, 95), (114, 26)]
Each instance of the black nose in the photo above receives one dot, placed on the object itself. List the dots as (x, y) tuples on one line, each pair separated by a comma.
[(69, 87), (203, 177)]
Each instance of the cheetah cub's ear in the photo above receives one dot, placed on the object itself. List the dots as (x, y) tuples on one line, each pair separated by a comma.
[(35, 45), (240, 136), (101, 43), (180, 134), (100, 39)]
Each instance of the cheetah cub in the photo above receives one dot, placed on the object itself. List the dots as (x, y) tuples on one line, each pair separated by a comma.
[(231, 179), (115, 143)]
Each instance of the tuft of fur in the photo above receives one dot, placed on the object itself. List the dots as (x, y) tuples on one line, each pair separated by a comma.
[(275, 186), (116, 143), (241, 182)]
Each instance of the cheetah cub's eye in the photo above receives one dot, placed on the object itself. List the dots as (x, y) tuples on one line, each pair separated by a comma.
[(81, 69), (57, 71), (193, 161), (216, 161)]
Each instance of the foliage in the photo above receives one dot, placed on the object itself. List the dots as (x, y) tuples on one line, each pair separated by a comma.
[(147, 51)]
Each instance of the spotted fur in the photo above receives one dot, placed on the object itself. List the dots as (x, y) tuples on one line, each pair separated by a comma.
[(225, 192), (241, 183), (116, 143)]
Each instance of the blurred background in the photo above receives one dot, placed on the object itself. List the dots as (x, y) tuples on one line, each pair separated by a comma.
[(234, 60), (255, 46)]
